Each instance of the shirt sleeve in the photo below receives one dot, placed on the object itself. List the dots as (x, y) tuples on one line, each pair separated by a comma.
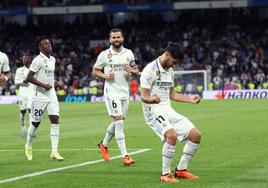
[(100, 62), (6, 67), (146, 79), (132, 61), (35, 66), (18, 77)]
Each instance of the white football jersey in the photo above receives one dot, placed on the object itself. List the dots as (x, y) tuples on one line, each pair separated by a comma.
[(44, 68), (109, 60), (25, 89), (4, 63), (159, 81)]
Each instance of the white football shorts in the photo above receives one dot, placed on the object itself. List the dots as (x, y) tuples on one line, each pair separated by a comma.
[(117, 107), (40, 106), (161, 120)]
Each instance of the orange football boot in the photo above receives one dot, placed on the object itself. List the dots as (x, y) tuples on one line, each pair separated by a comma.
[(128, 160), (168, 178), (104, 151), (185, 174)]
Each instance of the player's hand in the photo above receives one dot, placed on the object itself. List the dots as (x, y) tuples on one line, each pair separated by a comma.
[(47, 87), (195, 99), (128, 69), (109, 75), (155, 99), (3, 78), (58, 83)]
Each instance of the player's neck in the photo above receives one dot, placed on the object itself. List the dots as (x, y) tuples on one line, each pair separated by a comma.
[(118, 50), (46, 54)]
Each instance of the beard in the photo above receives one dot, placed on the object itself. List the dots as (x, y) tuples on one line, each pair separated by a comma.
[(117, 44), (167, 64)]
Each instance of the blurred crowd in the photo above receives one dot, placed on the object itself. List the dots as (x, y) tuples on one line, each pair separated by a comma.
[(234, 50), (45, 3)]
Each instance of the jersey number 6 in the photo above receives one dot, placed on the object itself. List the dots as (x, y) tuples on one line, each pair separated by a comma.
[(114, 104)]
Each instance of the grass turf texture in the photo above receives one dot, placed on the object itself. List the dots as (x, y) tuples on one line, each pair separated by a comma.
[(233, 150)]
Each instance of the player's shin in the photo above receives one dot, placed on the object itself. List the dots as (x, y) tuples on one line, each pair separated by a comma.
[(30, 135), (109, 134), (168, 152), (23, 127), (54, 136), (120, 137), (189, 150)]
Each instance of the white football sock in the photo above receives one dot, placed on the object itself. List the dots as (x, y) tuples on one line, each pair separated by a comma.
[(109, 134), (120, 137), (30, 135), (22, 119), (54, 136), (168, 152), (188, 152)]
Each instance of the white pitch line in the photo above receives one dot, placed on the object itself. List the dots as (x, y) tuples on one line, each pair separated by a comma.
[(65, 168), (71, 149)]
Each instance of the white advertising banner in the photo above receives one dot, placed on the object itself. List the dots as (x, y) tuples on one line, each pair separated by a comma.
[(9, 99), (236, 94)]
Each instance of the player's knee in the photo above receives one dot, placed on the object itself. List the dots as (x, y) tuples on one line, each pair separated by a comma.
[(195, 136), (118, 118), (23, 112), (54, 119), (36, 124), (171, 136)]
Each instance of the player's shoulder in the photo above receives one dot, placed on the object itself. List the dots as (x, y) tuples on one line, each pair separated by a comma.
[(19, 69), (3, 55), (38, 57), (104, 52), (128, 51), (52, 58), (151, 67)]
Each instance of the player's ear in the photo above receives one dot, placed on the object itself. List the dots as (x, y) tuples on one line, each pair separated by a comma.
[(167, 54)]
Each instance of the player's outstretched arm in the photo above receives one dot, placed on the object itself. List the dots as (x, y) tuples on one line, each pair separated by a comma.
[(195, 99), (32, 79), (147, 98)]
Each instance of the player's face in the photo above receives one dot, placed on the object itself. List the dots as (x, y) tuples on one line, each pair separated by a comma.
[(170, 62), (45, 46), (27, 60), (116, 39)]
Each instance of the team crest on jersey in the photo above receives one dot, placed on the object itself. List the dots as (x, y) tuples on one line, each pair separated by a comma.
[(45, 61), (109, 57)]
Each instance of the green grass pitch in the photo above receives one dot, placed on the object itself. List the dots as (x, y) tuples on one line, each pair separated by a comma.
[(233, 150)]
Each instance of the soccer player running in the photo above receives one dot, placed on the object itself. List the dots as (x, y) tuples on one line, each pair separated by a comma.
[(117, 64), (25, 90), (157, 89), (4, 69), (41, 74)]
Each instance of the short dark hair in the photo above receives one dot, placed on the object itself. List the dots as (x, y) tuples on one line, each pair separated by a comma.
[(175, 49), (39, 39), (114, 30), (27, 53)]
